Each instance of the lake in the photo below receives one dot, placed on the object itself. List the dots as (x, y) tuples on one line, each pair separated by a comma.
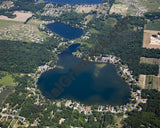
[(76, 1), (86, 82), (65, 30)]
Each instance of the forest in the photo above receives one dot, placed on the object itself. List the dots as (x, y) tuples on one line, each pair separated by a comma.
[(28, 5), (22, 57)]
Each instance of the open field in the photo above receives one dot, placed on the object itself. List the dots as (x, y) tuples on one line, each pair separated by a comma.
[(7, 81), (142, 80), (149, 41), (20, 16), (150, 81), (12, 30), (87, 9), (119, 9), (150, 60), (88, 18)]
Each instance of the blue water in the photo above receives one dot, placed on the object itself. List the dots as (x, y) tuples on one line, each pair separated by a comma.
[(65, 31), (76, 1), (84, 81)]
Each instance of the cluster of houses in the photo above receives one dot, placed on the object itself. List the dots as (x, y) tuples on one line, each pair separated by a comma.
[(54, 10), (6, 5), (21, 32)]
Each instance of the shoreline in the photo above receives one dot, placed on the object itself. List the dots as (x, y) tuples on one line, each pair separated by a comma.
[(120, 68)]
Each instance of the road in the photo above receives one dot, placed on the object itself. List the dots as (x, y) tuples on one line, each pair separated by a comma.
[(6, 115)]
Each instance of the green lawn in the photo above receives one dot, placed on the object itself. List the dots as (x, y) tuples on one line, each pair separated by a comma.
[(7, 81), (5, 23)]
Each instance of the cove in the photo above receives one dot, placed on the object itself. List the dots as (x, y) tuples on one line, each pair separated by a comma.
[(96, 84), (65, 30), (76, 1)]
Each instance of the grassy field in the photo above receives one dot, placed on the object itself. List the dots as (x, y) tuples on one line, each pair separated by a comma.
[(7, 81), (150, 60), (5, 23), (153, 25), (152, 82), (88, 18)]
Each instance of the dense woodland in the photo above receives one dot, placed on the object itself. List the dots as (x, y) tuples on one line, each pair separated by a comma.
[(22, 57)]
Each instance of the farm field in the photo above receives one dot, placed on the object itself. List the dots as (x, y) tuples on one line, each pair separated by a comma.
[(150, 81)]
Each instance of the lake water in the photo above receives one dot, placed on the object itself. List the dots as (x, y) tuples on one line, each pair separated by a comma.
[(65, 31), (89, 83), (76, 1)]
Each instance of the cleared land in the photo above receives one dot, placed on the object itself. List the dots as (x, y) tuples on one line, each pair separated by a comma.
[(119, 9), (87, 9), (149, 41), (150, 81), (20, 16), (7, 81), (142, 80)]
